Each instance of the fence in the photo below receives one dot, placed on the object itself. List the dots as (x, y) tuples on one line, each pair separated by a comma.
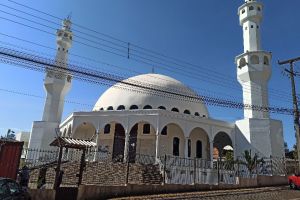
[(103, 168)]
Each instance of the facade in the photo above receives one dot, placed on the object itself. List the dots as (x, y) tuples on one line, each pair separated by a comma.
[(128, 120), (23, 136)]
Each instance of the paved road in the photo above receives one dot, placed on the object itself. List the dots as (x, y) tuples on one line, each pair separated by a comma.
[(269, 193)]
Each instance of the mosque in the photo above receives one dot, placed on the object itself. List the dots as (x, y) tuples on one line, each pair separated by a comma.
[(127, 121)]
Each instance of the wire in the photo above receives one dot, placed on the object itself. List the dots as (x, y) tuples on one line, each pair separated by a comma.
[(15, 57), (123, 41)]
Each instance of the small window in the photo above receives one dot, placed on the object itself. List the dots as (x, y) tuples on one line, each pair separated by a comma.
[(257, 27), (146, 129), (162, 108), (251, 8), (70, 37), (199, 149), (110, 108), (242, 62), (266, 60), (197, 114), (133, 107), (121, 107), (252, 26), (258, 8), (165, 130), (187, 112), (147, 107), (176, 146), (189, 148), (203, 115), (243, 11), (254, 59), (107, 129), (175, 110), (101, 108)]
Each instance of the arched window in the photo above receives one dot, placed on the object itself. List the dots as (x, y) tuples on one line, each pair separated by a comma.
[(242, 62), (266, 60), (243, 11), (121, 107), (162, 108), (189, 148), (251, 8), (147, 107), (101, 108), (176, 146), (146, 128), (107, 129), (199, 149), (110, 108), (187, 112), (258, 8), (197, 114), (175, 110), (254, 59), (165, 130), (133, 107)]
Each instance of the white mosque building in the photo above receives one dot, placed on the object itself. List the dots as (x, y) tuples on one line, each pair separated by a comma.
[(129, 120)]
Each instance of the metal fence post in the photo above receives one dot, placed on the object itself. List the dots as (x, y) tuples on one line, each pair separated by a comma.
[(165, 162), (271, 165), (127, 173), (195, 168), (218, 169)]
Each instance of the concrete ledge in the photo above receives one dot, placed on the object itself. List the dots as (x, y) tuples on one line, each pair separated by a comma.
[(46, 194), (93, 192)]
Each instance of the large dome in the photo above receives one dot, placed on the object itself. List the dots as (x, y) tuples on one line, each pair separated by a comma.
[(128, 97)]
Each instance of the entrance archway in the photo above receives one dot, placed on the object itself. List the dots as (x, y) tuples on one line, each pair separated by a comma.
[(221, 140), (119, 143), (199, 147)]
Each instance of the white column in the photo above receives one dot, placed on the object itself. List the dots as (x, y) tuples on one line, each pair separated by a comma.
[(157, 146), (186, 147), (126, 147), (97, 144), (211, 151)]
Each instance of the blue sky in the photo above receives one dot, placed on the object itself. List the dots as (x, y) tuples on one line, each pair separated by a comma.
[(205, 33)]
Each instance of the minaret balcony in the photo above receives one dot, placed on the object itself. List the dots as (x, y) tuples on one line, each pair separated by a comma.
[(254, 65), (251, 11)]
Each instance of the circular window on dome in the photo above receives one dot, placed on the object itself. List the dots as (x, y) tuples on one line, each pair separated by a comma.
[(147, 107), (175, 110), (110, 108), (162, 107), (121, 107), (133, 107), (187, 112)]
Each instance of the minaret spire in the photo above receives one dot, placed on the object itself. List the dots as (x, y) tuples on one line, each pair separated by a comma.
[(264, 135), (57, 84), (254, 67)]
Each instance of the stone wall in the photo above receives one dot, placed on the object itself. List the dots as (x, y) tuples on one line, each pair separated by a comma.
[(101, 173)]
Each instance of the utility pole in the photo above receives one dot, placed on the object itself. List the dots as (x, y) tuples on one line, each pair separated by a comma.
[(295, 103)]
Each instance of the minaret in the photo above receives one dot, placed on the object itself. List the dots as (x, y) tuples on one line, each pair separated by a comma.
[(262, 134), (253, 66), (57, 83)]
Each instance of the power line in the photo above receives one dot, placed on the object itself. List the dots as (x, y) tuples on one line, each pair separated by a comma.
[(37, 62), (188, 75), (150, 60)]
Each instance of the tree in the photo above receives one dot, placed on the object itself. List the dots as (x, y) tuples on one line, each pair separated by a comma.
[(251, 162)]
